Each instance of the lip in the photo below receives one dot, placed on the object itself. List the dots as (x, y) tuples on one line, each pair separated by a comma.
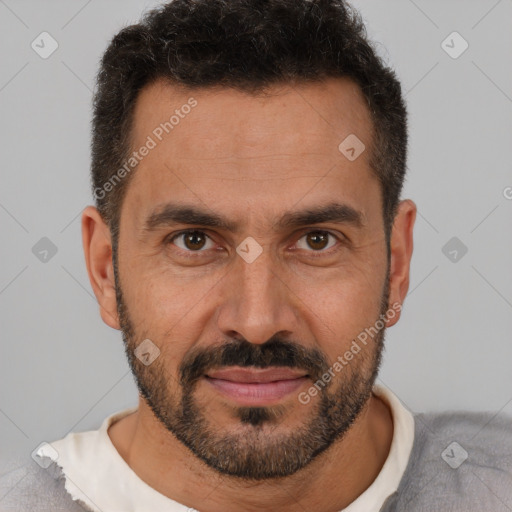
[(255, 375), (256, 386)]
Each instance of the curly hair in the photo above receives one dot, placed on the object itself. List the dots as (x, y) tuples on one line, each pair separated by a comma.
[(248, 45)]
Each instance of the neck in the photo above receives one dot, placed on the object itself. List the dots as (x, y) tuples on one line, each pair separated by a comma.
[(332, 481)]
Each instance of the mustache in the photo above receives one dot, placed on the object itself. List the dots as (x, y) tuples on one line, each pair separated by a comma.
[(274, 352)]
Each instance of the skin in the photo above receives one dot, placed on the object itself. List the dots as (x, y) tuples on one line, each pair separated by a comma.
[(252, 159)]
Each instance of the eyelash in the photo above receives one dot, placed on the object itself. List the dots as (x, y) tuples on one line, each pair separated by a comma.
[(195, 254)]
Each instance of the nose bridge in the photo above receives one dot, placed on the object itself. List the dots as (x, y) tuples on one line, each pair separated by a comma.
[(256, 281), (257, 304)]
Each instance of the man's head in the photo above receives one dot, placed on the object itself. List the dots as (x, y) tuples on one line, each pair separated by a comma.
[(259, 226), (249, 46)]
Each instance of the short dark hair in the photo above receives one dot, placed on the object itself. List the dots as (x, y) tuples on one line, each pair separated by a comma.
[(248, 45)]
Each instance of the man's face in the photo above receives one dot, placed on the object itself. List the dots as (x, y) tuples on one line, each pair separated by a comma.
[(293, 296)]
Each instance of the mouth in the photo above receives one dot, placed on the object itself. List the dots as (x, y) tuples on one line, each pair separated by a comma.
[(256, 386)]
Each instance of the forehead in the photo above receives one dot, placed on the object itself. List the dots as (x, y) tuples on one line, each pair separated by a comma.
[(257, 147), (230, 122)]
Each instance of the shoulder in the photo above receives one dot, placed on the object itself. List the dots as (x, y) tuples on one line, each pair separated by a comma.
[(479, 443), (459, 461), (24, 485)]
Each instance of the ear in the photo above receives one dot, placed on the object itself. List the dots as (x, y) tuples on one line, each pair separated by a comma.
[(98, 258), (401, 253)]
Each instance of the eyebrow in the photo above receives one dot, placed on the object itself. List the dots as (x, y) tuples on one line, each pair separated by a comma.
[(173, 213), (332, 212)]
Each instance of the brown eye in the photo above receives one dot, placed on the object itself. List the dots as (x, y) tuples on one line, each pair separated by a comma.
[(192, 241), (317, 240)]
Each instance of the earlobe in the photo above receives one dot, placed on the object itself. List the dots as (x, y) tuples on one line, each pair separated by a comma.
[(97, 246), (401, 254)]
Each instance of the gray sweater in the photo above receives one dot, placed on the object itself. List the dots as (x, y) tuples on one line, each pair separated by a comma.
[(460, 462)]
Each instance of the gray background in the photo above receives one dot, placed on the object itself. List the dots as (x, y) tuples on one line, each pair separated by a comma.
[(62, 369)]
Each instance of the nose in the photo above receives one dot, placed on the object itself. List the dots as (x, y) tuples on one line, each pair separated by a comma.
[(257, 302)]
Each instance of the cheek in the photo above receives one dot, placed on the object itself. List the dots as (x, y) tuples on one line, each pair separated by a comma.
[(169, 311), (340, 305)]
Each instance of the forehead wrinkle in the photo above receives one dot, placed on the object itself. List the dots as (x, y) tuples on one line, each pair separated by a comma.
[(238, 157)]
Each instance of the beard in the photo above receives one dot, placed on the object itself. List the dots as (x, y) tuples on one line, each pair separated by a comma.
[(257, 449)]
